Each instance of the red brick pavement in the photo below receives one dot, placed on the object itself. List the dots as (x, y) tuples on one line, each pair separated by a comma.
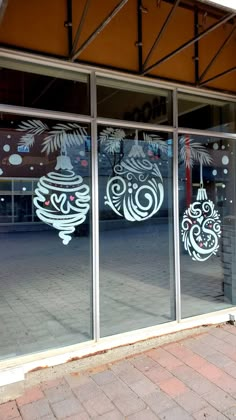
[(194, 378)]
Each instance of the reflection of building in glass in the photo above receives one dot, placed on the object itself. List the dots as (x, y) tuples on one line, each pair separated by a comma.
[(16, 200)]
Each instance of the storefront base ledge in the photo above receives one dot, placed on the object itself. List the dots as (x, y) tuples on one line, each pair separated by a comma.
[(15, 370)]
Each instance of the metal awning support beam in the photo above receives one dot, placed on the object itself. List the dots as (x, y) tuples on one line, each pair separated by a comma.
[(80, 27), (3, 6), (68, 24), (140, 35), (196, 45), (218, 75), (190, 42), (218, 53), (162, 31), (99, 29)]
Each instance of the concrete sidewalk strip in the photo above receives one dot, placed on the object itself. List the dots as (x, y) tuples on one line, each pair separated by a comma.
[(192, 378)]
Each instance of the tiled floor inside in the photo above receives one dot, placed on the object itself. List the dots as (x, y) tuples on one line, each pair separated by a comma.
[(46, 290)]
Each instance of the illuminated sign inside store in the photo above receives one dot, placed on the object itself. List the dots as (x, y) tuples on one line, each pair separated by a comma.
[(23, 149)]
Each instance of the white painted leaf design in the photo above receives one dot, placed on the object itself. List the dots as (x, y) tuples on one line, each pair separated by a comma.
[(191, 151), (62, 135)]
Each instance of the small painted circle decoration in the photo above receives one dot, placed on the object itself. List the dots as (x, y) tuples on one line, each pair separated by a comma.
[(136, 191), (201, 228)]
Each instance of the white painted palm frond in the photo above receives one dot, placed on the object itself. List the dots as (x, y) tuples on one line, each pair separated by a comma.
[(105, 134), (119, 134), (191, 152), (53, 142), (112, 146), (64, 135), (27, 140), (157, 140), (186, 157), (110, 133), (200, 154), (32, 128), (151, 138), (111, 138)]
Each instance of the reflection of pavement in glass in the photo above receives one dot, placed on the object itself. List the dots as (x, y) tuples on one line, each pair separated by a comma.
[(44, 303), (202, 286), (45, 288), (134, 278)]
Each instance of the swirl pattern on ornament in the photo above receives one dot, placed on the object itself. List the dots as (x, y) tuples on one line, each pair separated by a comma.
[(136, 192), (201, 230), (62, 201)]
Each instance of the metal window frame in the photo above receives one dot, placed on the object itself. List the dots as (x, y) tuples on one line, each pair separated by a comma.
[(207, 133), (132, 124), (88, 69), (94, 120), (176, 210), (95, 211), (41, 113)]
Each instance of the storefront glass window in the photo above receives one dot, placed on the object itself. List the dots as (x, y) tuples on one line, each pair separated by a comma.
[(22, 208), (133, 102), (45, 281), (204, 113), (55, 90), (5, 185), (5, 208), (22, 186), (136, 235), (46, 206), (207, 197)]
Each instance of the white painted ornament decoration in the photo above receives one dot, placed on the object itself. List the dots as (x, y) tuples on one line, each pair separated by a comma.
[(136, 191), (61, 199), (201, 226)]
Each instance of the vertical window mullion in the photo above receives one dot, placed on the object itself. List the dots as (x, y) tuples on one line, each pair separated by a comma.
[(176, 209), (95, 211)]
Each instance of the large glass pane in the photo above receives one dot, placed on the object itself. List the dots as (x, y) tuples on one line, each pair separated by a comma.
[(45, 278), (133, 102), (5, 209), (205, 113), (207, 193), (22, 208), (5, 184), (136, 232), (22, 186), (43, 88)]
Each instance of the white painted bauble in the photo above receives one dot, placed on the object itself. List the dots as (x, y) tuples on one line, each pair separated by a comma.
[(201, 228), (136, 192), (62, 201)]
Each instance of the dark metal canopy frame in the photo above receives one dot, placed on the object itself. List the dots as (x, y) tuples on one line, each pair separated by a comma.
[(222, 17)]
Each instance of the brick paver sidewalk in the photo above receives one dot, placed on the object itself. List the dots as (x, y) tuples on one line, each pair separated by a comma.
[(194, 378)]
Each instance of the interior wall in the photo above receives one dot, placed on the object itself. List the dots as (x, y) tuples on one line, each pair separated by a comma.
[(40, 27)]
